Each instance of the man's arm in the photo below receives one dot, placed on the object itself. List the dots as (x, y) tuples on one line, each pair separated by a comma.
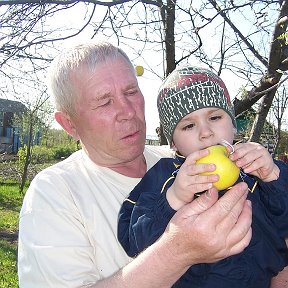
[(203, 231), (281, 280)]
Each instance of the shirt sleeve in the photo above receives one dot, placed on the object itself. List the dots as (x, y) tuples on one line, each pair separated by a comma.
[(274, 196), (53, 247), (145, 214)]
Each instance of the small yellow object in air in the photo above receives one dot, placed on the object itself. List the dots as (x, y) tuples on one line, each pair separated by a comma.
[(139, 70)]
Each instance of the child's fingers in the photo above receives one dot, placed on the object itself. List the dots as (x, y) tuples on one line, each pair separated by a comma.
[(245, 154), (193, 157), (197, 169), (254, 159)]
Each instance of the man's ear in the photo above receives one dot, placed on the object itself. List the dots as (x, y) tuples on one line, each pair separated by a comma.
[(66, 123)]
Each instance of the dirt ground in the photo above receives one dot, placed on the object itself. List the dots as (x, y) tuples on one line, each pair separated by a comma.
[(9, 168), (8, 157)]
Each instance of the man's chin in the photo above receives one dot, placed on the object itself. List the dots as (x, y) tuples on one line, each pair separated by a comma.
[(134, 149)]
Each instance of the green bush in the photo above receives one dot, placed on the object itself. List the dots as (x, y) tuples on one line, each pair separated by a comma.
[(43, 154), (61, 152)]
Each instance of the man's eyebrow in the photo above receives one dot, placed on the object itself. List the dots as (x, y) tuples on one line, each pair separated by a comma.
[(100, 96), (131, 86)]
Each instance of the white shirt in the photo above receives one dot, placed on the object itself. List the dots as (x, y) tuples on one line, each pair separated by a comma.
[(68, 223)]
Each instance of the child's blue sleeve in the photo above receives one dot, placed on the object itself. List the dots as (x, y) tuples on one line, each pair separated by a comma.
[(274, 196), (145, 214)]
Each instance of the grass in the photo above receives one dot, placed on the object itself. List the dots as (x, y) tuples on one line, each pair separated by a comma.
[(10, 204)]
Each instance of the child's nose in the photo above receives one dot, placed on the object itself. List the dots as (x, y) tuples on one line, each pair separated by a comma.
[(205, 131)]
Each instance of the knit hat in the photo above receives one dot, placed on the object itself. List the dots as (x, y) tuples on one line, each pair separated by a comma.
[(188, 89)]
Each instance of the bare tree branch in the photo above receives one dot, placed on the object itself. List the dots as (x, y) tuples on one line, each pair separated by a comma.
[(237, 31), (174, 31), (67, 2)]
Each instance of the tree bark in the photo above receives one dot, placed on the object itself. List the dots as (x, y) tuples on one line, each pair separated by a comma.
[(274, 62)]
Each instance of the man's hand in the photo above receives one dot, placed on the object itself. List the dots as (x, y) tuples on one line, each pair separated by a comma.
[(281, 280), (203, 231), (207, 230)]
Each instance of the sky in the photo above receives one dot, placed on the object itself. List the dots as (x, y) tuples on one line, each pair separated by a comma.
[(149, 86)]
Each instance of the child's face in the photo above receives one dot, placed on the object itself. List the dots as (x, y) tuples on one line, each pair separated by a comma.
[(201, 129)]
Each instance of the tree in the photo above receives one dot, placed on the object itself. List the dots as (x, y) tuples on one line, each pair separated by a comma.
[(31, 123), (180, 31), (279, 107), (56, 137)]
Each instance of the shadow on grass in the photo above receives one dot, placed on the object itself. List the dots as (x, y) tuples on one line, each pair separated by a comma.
[(10, 237)]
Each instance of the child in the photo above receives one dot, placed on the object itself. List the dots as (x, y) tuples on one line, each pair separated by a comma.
[(195, 112)]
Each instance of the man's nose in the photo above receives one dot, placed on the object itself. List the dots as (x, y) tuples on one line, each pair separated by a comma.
[(125, 109)]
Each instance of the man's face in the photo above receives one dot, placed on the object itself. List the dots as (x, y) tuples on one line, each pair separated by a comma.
[(109, 118), (201, 129)]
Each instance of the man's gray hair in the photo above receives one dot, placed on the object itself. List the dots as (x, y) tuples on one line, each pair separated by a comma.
[(86, 55)]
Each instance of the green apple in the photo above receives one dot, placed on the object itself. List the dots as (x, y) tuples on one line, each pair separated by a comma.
[(226, 169)]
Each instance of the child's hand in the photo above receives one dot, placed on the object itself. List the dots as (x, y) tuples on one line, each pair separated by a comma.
[(188, 181), (255, 159)]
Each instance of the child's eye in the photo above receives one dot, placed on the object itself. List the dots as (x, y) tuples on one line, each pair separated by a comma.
[(215, 118), (189, 126)]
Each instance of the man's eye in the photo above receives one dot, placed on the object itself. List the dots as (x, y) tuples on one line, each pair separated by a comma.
[(106, 102), (102, 103), (189, 126), (131, 92)]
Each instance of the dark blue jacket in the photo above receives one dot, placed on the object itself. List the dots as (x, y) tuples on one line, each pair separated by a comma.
[(144, 217)]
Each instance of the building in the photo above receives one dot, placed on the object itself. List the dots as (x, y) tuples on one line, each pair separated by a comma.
[(9, 136), (152, 140)]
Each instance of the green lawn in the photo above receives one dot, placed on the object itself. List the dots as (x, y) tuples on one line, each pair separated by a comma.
[(10, 204)]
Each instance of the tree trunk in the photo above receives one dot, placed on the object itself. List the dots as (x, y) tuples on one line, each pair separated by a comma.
[(261, 116), (170, 36), (273, 76), (168, 19), (278, 136), (27, 157)]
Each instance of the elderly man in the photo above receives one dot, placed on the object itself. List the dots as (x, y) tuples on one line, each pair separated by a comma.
[(68, 222)]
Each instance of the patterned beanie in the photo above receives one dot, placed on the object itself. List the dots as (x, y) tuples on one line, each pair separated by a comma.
[(188, 89)]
